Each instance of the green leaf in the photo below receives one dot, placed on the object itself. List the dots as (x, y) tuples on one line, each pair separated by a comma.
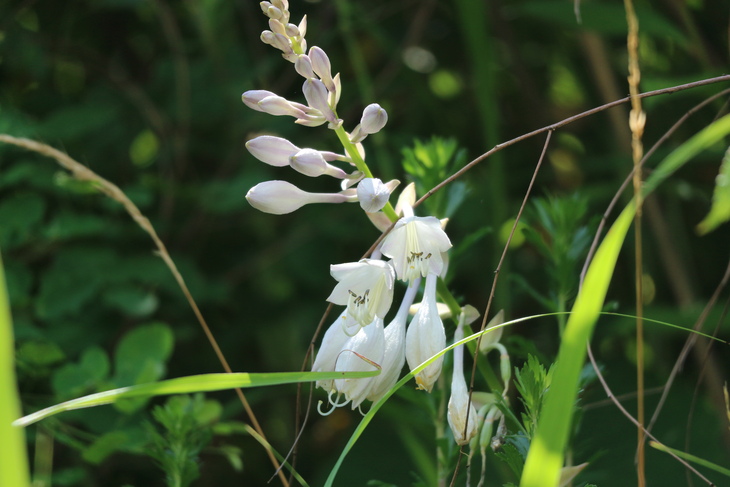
[(13, 459), (691, 458), (186, 385), (104, 446), (74, 379), (38, 353), (546, 456), (140, 358), (144, 148), (131, 300), (720, 211), (19, 213)]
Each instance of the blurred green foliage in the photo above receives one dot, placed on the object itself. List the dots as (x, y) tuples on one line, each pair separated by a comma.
[(146, 93)]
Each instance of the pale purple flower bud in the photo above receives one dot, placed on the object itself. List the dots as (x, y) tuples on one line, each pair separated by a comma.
[(374, 118), (426, 337), (316, 94), (291, 30), (312, 163), (252, 98), (265, 7), (274, 151), (276, 105), (303, 45), (273, 13), (281, 4), (268, 37), (361, 353), (281, 197), (372, 194), (303, 65), (276, 26), (282, 43), (321, 65)]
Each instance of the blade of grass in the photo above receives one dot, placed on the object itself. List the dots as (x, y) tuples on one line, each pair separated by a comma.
[(547, 451), (185, 385), (691, 458), (13, 455)]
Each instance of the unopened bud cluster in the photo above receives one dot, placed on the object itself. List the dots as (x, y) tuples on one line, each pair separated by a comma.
[(322, 92)]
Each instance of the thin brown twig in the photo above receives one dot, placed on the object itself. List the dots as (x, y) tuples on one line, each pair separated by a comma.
[(494, 286), (649, 153), (562, 123), (82, 173), (610, 395)]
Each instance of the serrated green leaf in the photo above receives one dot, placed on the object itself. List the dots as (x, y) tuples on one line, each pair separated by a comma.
[(720, 210)]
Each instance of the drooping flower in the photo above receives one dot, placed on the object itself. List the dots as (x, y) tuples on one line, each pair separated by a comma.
[(281, 197), (395, 345), (362, 352), (365, 287), (426, 337), (462, 416), (334, 339), (373, 194), (415, 244)]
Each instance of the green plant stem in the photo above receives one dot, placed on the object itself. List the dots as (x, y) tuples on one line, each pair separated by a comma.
[(361, 166)]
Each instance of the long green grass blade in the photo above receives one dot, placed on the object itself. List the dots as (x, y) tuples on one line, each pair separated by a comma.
[(186, 385), (546, 456), (13, 457), (691, 458)]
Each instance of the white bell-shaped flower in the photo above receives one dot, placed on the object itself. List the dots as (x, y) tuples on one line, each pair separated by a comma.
[(334, 339), (426, 337), (462, 415), (415, 244), (362, 352), (365, 287), (395, 346)]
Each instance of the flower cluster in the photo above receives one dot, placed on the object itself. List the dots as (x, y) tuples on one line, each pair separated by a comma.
[(414, 249), (357, 340), (322, 92)]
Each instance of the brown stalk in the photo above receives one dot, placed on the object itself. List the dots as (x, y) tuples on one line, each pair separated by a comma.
[(83, 173)]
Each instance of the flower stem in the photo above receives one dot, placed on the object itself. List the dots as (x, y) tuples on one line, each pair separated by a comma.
[(361, 166)]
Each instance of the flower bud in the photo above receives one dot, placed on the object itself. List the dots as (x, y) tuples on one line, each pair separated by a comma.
[(462, 416), (274, 151), (276, 26), (252, 98), (303, 65), (265, 7), (372, 194), (322, 66), (291, 30), (374, 118), (277, 105), (316, 94), (426, 337), (280, 197), (312, 163)]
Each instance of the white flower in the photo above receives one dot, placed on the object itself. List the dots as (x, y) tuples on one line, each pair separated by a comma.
[(415, 244), (374, 118), (312, 163), (334, 339), (373, 194), (280, 197), (360, 353), (458, 414), (365, 287), (395, 345), (426, 337)]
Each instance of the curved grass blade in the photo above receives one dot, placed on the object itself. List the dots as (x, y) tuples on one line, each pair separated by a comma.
[(13, 457), (546, 456), (691, 458), (185, 385)]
